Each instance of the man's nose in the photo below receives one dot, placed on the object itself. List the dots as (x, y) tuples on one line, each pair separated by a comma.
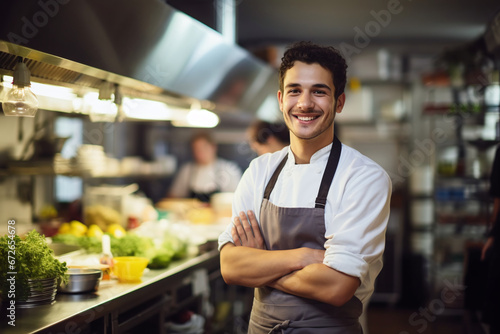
[(305, 102)]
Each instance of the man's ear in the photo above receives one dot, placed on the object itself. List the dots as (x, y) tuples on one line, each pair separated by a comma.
[(340, 103), (280, 100)]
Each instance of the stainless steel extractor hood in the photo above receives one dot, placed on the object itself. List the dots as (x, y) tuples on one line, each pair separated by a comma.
[(145, 46)]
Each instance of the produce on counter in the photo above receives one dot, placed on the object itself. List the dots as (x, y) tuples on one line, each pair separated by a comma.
[(79, 229), (102, 216), (159, 254), (90, 244), (116, 230), (95, 231), (31, 258), (74, 227)]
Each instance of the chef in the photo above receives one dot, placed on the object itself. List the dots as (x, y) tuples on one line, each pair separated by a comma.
[(207, 174), (309, 223)]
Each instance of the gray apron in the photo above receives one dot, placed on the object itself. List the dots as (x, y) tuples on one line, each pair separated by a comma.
[(275, 311)]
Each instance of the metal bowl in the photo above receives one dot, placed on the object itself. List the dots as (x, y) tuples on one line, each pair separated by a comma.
[(81, 280)]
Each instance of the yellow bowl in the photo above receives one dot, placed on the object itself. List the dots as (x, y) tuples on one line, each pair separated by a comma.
[(129, 268)]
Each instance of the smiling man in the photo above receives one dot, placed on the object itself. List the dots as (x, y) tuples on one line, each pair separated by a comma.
[(309, 221)]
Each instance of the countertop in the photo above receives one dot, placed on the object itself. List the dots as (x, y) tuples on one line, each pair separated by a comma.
[(69, 311)]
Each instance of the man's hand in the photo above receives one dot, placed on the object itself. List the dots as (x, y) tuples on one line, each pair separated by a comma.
[(246, 231)]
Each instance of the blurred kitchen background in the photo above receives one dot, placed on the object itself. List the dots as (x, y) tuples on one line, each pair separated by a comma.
[(122, 86)]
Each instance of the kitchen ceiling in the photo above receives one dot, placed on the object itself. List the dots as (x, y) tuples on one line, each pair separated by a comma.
[(411, 26)]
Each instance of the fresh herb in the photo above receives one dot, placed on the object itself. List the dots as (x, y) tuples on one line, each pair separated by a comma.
[(34, 260)]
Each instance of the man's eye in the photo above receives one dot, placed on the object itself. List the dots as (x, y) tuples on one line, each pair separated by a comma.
[(293, 91), (319, 92)]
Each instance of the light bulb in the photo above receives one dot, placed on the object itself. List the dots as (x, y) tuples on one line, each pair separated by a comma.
[(20, 100)]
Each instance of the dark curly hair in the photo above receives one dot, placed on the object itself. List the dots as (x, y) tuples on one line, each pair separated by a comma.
[(262, 130), (326, 56)]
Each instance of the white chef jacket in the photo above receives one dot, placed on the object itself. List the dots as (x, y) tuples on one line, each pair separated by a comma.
[(356, 212), (222, 175)]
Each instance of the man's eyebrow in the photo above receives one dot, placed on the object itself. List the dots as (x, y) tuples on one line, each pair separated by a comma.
[(318, 85)]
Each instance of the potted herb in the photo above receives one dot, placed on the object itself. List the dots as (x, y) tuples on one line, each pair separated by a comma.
[(27, 265)]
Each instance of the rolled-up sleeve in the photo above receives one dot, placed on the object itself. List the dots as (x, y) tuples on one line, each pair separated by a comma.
[(356, 240), (243, 200)]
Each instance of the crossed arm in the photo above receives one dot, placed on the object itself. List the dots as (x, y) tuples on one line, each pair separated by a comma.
[(299, 271)]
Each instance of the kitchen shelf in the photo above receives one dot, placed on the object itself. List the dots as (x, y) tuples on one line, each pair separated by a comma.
[(461, 205), (32, 168)]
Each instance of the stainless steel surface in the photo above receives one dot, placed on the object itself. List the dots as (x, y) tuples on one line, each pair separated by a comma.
[(81, 280), (63, 249), (42, 292), (90, 306), (143, 45)]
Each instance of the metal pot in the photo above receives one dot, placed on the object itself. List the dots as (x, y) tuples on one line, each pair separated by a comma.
[(81, 280)]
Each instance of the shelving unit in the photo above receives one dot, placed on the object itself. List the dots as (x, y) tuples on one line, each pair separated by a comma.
[(458, 194)]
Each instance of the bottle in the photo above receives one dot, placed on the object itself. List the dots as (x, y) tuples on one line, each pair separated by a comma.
[(106, 257)]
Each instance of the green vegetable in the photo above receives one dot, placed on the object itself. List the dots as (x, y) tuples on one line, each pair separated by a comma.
[(90, 244), (29, 258), (160, 261), (160, 256), (132, 245)]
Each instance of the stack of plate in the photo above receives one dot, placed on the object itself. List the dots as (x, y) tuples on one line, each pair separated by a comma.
[(91, 159), (42, 292)]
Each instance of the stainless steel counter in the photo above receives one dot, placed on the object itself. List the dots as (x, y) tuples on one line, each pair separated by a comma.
[(108, 306)]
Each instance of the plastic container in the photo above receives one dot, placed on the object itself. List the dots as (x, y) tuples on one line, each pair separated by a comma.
[(129, 269)]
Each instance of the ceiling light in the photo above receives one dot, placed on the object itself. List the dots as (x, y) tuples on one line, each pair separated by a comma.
[(146, 109), (102, 109), (198, 118), (20, 100)]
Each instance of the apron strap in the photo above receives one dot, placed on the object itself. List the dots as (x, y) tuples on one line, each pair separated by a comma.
[(331, 168), (316, 323), (274, 178), (326, 181), (280, 327)]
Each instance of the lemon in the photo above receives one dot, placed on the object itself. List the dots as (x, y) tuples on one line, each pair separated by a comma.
[(95, 231), (48, 212), (116, 230), (77, 228), (65, 228)]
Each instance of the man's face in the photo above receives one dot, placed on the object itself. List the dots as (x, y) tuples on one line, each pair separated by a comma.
[(308, 102)]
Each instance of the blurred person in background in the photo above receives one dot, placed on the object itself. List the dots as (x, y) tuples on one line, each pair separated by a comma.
[(207, 174), (265, 137), (491, 253)]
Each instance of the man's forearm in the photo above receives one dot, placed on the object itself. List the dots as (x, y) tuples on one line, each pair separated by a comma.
[(319, 282), (253, 267)]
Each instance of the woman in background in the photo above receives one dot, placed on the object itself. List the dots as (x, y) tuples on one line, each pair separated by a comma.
[(207, 174)]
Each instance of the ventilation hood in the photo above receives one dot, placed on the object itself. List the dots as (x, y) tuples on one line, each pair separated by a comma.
[(147, 47)]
